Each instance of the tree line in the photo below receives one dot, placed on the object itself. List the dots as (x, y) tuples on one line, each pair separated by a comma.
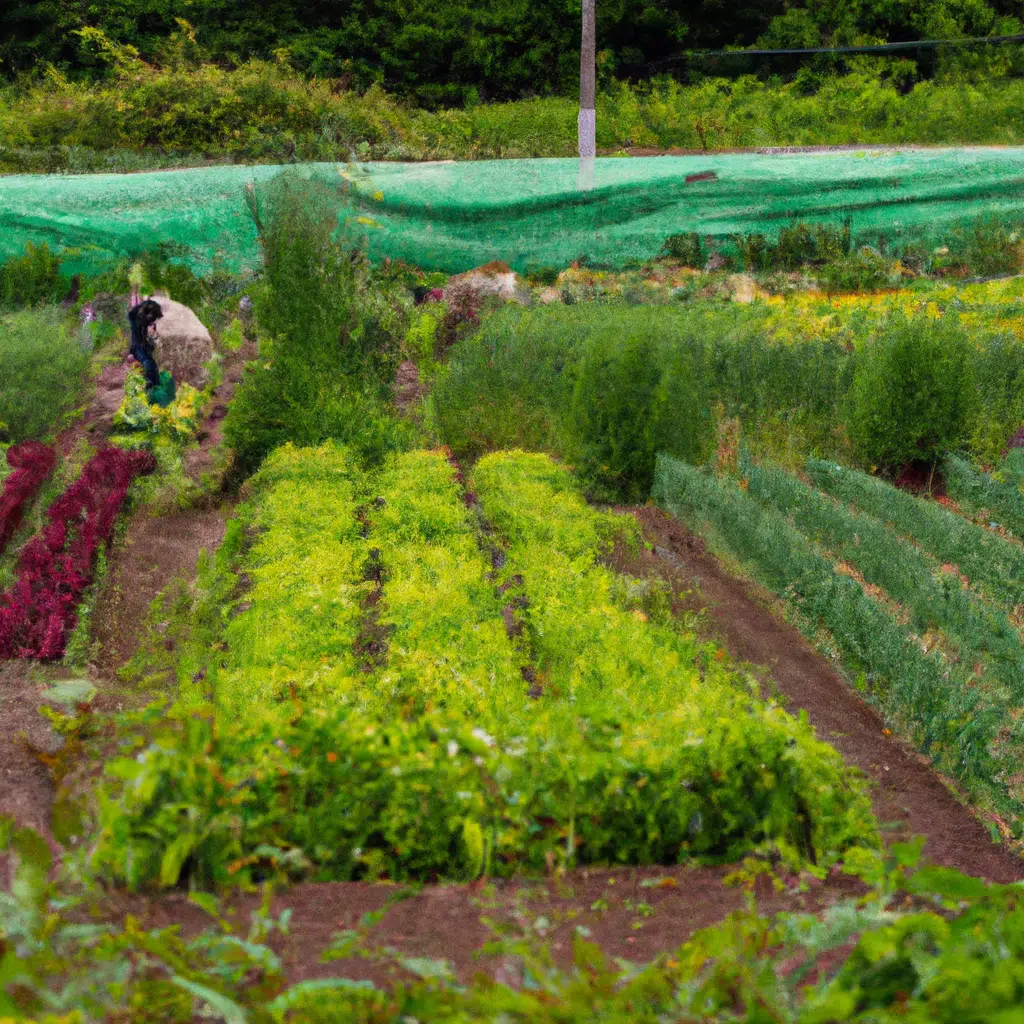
[(463, 51)]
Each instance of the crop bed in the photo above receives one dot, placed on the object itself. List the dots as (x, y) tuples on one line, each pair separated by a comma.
[(30, 464), (865, 564), (55, 567), (432, 760)]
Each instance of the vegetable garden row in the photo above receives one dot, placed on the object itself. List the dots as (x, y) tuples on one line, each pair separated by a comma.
[(921, 602), (55, 567), (423, 754)]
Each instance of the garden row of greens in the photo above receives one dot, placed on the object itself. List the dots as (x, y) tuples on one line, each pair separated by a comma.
[(149, 118), (609, 385), (958, 703), (434, 762)]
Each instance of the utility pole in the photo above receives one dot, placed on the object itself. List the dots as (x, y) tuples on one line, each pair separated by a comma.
[(587, 121)]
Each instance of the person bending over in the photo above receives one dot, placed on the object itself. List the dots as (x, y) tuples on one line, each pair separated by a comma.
[(142, 317)]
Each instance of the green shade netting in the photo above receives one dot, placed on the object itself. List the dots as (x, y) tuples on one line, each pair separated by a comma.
[(529, 213)]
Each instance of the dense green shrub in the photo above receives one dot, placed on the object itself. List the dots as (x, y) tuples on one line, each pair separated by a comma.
[(912, 391), (687, 248), (633, 398), (31, 279), (798, 245), (41, 371), (328, 366), (862, 271), (261, 112)]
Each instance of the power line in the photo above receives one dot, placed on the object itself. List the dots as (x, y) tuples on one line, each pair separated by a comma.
[(876, 48)]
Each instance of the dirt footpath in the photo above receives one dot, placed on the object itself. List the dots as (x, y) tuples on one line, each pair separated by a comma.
[(909, 797)]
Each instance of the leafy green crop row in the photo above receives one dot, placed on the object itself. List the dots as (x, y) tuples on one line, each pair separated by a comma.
[(968, 732), (447, 645), (295, 628), (994, 564), (597, 772), (600, 659), (935, 600)]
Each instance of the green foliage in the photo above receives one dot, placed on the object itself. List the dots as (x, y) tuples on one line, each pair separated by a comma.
[(31, 279), (993, 564), (421, 338), (233, 337), (178, 421), (632, 399), (909, 575), (160, 272), (447, 643), (263, 112), (41, 372), (862, 271), (687, 248), (967, 731), (291, 633), (339, 781), (980, 493), (912, 392), (328, 368), (592, 384), (798, 245)]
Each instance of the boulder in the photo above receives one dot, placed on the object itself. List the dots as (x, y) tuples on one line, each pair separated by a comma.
[(183, 344), (743, 288), (495, 278)]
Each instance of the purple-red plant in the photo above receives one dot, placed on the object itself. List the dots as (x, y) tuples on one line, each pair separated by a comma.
[(54, 568), (32, 463)]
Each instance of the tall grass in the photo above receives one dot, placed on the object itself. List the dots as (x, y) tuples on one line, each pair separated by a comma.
[(326, 368), (41, 371)]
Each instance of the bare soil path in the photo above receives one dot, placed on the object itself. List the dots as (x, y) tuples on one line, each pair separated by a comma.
[(907, 793)]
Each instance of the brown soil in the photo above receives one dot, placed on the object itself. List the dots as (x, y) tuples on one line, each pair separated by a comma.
[(25, 786), (155, 551), (159, 548), (444, 922), (408, 388), (908, 795), (99, 416), (202, 459)]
